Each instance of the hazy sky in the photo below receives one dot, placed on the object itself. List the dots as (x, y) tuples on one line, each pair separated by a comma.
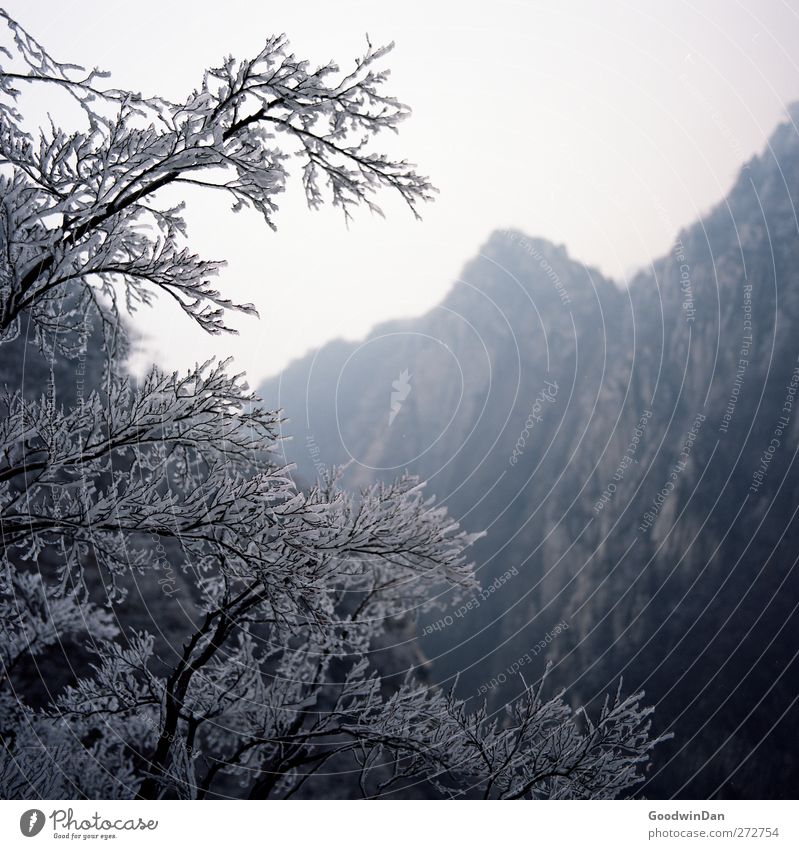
[(605, 126)]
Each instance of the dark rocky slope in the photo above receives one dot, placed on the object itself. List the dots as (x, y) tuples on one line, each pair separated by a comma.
[(612, 444)]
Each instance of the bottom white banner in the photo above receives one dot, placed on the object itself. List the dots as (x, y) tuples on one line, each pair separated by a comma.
[(390, 824)]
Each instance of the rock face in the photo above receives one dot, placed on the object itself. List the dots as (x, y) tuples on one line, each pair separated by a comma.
[(632, 456)]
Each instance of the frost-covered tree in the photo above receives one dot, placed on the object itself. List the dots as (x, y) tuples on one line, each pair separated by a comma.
[(270, 688)]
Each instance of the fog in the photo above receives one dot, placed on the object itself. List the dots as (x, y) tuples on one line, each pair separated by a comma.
[(602, 126)]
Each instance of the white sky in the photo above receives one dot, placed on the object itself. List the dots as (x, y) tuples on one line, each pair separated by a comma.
[(605, 126)]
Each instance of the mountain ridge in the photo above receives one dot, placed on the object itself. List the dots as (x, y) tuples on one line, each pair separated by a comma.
[(606, 438)]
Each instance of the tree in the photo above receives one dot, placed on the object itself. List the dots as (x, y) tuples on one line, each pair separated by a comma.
[(271, 685)]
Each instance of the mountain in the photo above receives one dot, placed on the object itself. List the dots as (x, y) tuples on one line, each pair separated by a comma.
[(631, 455)]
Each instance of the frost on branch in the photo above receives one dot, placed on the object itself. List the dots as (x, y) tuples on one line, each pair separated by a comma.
[(84, 206), (259, 680)]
